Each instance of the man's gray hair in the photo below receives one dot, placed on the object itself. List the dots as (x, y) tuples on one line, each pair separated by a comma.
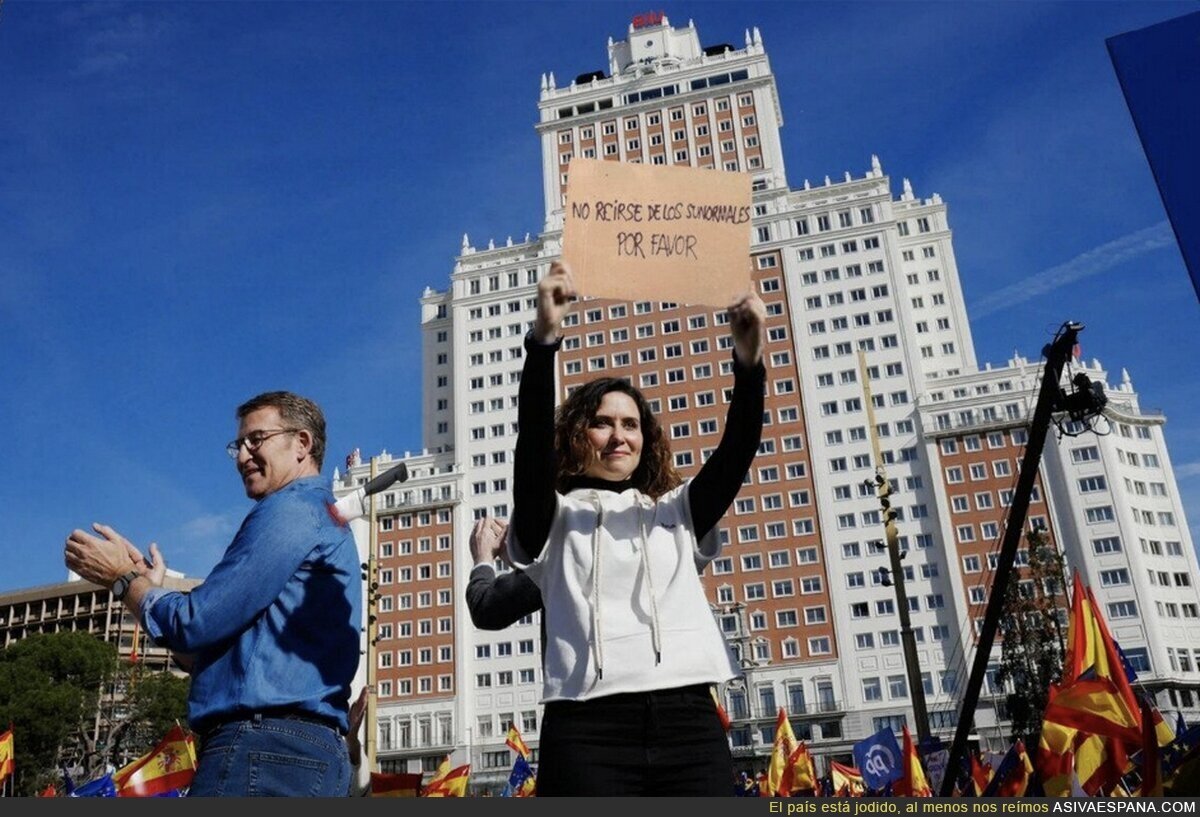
[(296, 412)]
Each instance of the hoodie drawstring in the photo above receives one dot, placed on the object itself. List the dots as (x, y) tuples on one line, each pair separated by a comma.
[(655, 624), (597, 641), (655, 628)]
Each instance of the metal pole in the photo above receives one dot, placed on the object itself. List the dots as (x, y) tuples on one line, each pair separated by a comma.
[(883, 490), (1056, 354), (372, 621)]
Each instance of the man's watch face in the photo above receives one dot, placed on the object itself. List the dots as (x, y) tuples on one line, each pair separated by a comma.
[(121, 587)]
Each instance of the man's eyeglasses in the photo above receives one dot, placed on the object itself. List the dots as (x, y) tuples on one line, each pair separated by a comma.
[(254, 440)]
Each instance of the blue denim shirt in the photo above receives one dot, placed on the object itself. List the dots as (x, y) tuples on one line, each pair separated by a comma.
[(276, 624)]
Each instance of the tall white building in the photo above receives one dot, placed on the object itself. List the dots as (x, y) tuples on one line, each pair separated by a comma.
[(1110, 500), (845, 266)]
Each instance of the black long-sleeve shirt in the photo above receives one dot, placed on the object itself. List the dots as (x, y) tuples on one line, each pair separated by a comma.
[(498, 601), (710, 493)]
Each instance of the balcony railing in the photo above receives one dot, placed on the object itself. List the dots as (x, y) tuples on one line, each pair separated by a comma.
[(759, 712)]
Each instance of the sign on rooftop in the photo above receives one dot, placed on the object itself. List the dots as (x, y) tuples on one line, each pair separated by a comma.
[(650, 18)]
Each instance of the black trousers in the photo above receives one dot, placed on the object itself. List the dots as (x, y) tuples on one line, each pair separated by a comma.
[(668, 742)]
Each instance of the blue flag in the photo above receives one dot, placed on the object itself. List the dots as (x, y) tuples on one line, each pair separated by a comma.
[(1011, 758), (878, 758), (1130, 672), (745, 786), (521, 773), (100, 787), (1177, 750)]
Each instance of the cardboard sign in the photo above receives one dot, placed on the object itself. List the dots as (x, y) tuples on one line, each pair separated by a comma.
[(649, 232)]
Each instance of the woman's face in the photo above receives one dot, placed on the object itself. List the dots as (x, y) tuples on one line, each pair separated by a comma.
[(615, 434)]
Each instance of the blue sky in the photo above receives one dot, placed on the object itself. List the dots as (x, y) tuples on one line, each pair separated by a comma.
[(199, 202)]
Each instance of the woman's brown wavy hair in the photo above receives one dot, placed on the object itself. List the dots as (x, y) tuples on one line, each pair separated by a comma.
[(655, 474)]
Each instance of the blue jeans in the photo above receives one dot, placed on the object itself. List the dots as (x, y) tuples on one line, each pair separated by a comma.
[(272, 757)]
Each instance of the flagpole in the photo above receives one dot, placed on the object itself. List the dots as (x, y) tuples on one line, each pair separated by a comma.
[(372, 621), (883, 489), (1050, 398)]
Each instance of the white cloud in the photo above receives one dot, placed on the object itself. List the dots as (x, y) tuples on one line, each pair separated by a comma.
[(206, 527), (1085, 265), (1187, 469), (117, 42)]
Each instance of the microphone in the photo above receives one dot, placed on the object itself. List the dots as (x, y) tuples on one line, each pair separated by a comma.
[(398, 473), (354, 504)]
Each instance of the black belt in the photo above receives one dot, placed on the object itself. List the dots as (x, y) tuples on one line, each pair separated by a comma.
[(210, 725)]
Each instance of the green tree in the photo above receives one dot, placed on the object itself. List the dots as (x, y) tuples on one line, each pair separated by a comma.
[(1033, 636), (49, 684), (156, 701), (139, 709), (58, 690)]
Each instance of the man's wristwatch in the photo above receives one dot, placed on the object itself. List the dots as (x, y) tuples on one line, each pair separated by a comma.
[(121, 585)]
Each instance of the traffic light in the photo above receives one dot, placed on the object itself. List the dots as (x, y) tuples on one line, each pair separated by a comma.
[(883, 490)]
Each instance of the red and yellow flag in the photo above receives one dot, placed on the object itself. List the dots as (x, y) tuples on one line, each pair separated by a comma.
[(1152, 771), (981, 775), (791, 767), (722, 715), (1092, 719), (7, 764), (847, 781), (912, 782), (1162, 730), (804, 774), (133, 651), (516, 743), (448, 782), (1017, 773), (1094, 661), (168, 766), (779, 771)]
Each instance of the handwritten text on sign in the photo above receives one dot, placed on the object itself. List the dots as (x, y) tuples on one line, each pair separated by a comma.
[(634, 231)]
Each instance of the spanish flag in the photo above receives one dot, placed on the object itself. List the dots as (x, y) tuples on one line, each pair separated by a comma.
[(1011, 778), (779, 770), (134, 657), (448, 782), (515, 742), (791, 767), (846, 781), (804, 773), (912, 782), (722, 715), (7, 764), (981, 775), (1092, 719), (168, 766), (1152, 773)]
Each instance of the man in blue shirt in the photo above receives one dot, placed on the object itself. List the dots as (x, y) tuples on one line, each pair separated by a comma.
[(273, 632)]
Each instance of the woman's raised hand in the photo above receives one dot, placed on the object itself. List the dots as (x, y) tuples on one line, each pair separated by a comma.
[(747, 319), (554, 299)]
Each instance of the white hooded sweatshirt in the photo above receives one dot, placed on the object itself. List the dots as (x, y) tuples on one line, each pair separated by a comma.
[(625, 609)]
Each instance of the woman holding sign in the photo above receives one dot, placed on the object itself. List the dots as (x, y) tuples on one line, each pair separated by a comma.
[(616, 541)]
